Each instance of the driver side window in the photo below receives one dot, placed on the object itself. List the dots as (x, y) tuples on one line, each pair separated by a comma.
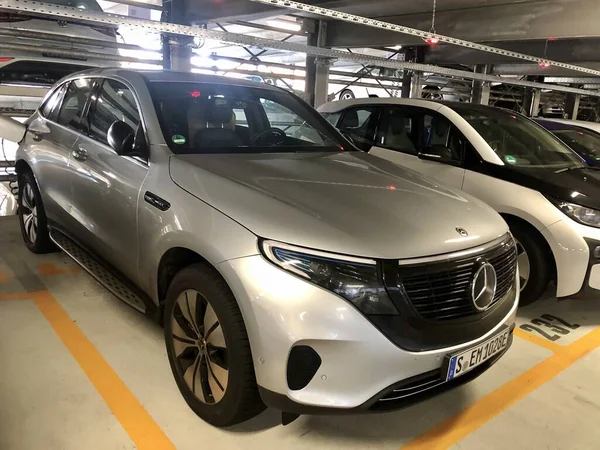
[(115, 102), (442, 138), (360, 123)]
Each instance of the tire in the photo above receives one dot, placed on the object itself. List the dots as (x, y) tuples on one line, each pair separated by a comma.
[(32, 216), (347, 94), (534, 247), (215, 375)]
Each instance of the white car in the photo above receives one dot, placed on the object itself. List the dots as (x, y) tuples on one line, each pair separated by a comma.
[(47, 64), (546, 193)]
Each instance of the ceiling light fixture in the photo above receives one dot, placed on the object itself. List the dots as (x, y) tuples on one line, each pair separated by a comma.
[(432, 39)]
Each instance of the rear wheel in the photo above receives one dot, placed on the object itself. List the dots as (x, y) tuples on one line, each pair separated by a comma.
[(347, 94), (32, 216), (208, 348), (533, 261)]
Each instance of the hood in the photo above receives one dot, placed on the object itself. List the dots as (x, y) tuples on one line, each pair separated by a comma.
[(581, 186), (347, 202)]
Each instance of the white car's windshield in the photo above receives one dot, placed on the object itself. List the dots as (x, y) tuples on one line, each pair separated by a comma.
[(518, 141), (224, 118)]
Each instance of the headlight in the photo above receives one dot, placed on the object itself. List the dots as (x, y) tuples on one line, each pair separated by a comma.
[(354, 279), (581, 214)]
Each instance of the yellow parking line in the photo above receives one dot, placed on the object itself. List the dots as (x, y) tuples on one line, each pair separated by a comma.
[(136, 421), (457, 427), (16, 296), (538, 340)]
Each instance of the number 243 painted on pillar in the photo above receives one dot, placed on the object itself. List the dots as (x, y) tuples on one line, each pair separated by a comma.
[(552, 323)]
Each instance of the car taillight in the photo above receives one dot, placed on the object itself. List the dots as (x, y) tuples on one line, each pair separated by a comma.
[(7, 17), (108, 31), (5, 59)]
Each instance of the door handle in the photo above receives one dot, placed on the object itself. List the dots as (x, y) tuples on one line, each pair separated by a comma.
[(79, 154)]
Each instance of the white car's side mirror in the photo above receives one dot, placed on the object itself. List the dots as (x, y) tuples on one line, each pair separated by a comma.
[(11, 130)]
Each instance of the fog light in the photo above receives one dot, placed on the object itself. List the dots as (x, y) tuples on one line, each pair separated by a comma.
[(597, 252)]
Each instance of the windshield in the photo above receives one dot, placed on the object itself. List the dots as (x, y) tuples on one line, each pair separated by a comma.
[(584, 142), (224, 118), (518, 141)]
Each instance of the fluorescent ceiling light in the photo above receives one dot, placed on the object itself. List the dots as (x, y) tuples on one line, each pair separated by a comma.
[(285, 25)]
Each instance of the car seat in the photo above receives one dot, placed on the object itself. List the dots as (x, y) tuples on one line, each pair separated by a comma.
[(218, 126), (397, 134)]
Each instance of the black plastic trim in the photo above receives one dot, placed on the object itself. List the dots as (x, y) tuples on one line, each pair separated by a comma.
[(586, 290), (156, 201)]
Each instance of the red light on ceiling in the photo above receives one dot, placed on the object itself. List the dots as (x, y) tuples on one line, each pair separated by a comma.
[(6, 59), (432, 40), (391, 187), (513, 117), (544, 64), (195, 94)]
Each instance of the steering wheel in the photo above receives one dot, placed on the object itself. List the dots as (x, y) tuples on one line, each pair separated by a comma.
[(275, 133)]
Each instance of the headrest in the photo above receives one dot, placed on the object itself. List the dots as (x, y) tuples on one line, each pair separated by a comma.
[(399, 123), (216, 110)]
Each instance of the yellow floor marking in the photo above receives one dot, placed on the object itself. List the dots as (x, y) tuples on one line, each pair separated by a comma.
[(538, 340), (47, 270), (136, 421), (457, 427), (3, 276), (16, 296)]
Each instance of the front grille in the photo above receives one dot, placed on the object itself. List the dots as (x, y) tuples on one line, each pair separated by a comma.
[(441, 290)]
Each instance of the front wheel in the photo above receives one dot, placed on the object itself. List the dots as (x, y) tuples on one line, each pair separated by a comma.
[(208, 348), (533, 262), (32, 216)]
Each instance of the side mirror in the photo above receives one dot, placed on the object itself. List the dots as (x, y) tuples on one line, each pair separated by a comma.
[(439, 153), (122, 138), (38, 128), (11, 129)]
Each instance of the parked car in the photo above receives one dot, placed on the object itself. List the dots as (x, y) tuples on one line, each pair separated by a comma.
[(584, 140), (289, 269), (544, 190), (45, 66)]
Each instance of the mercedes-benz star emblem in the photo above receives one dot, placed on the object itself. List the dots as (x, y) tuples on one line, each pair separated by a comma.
[(483, 287), (462, 231)]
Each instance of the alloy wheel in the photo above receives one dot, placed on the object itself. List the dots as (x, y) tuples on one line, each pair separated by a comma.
[(523, 264), (200, 349), (29, 213)]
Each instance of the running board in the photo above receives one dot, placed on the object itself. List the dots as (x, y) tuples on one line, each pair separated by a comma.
[(97, 269)]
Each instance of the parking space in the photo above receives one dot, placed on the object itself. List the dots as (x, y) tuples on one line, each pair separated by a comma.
[(83, 370)]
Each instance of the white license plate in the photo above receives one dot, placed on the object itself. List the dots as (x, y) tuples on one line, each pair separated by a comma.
[(462, 362)]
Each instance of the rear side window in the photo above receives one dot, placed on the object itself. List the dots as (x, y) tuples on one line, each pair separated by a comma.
[(115, 102), (72, 108)]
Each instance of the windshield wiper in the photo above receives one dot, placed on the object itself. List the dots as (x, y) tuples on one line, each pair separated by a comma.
[(568, 169)]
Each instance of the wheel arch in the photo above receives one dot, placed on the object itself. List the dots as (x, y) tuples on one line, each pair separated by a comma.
[(21, 166), (512, 219)]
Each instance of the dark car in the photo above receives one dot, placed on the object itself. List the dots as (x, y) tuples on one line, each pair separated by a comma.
[(584, 141)]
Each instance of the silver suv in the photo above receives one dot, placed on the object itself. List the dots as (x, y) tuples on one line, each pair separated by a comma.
[(288, 268)]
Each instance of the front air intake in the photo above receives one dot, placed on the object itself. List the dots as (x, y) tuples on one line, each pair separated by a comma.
[(303, 363)]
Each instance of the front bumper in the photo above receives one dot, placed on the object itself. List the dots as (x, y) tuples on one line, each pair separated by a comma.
[(578, 270), (358, 364)]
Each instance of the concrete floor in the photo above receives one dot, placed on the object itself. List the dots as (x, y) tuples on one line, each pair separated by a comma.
[(81, 370)]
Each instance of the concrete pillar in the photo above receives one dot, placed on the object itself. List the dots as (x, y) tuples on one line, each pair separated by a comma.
[(480, 90), (416, 85), (409, 55), (572, 106), (317, 69)]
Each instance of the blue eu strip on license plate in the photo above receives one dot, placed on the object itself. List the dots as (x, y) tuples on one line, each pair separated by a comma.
[(467, 360)]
